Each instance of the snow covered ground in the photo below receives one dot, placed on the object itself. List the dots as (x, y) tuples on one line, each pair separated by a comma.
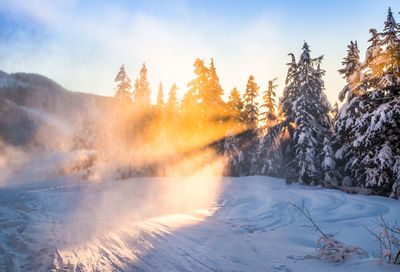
[(180, 224)]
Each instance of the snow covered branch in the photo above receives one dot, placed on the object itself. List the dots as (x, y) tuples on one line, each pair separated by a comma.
[(387, 240), (327, 247)]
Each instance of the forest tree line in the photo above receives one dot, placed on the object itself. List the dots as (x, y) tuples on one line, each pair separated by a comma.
[(299, 136)]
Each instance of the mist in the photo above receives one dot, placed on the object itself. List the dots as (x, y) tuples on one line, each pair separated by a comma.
[(80, 156)]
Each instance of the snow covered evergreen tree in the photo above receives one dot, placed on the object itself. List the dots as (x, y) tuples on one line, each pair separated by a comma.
[(122, 90), (251, 104), (377, 133), (306, 108), (331, 176), (373, 59), (271, 151), (268, 116), (376, 142), (390, 54), (372, 156), (350, 111)]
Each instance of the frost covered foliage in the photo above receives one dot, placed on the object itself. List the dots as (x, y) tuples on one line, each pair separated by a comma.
[(306, 108), (327, 247), (388, 239), (376, 144), (367, 128)]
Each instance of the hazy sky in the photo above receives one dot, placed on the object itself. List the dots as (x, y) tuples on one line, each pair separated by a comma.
[(82, 44)]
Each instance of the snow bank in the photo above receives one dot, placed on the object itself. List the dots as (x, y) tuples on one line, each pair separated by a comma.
[(158, 224)]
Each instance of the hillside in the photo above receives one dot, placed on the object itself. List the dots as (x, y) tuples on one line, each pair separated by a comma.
[(31, 103)]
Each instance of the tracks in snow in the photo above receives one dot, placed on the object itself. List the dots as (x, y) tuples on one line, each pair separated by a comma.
[(250, 227)]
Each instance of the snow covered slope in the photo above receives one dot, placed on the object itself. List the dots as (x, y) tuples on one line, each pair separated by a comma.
[(161, 224), (32, 105)]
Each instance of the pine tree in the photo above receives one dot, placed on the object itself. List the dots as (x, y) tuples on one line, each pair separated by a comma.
[(160, 96), (232, 154), (352, 73), (269, 114), (306, 107), (271, 151), (235, 107), (331, 176), (251, 105), (199, 84), (377, 130), (214, 85), (141, 93), (197, 93), (189, 103), (373, 59), (382, 61), (377, 135), (215, 102), (122, 90), (172, 102), (372, 131), (350, 111), (207, 90), (391, 53)]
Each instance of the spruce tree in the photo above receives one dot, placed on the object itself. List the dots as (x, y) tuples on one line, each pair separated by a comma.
[(376, 132), (215, 93), (251, 104), (122, 90), (235, 107), (207, 90), (373, 59), (172, 102), (160, 96), (189, 104), (306, 107), (197, 93), (141, 93), (214, 85), (391, 54), (350, 112), (268, 116)]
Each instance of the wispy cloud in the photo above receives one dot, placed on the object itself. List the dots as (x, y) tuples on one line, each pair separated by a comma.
[(89, 47), (81, 44)]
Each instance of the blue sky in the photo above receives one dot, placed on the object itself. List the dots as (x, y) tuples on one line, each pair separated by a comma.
[(81, 44)]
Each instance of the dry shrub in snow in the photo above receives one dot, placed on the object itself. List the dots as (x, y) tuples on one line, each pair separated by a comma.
[(327, 247), (388, 239)]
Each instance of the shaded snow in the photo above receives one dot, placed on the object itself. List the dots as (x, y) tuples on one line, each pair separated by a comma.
[(127, 226)]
